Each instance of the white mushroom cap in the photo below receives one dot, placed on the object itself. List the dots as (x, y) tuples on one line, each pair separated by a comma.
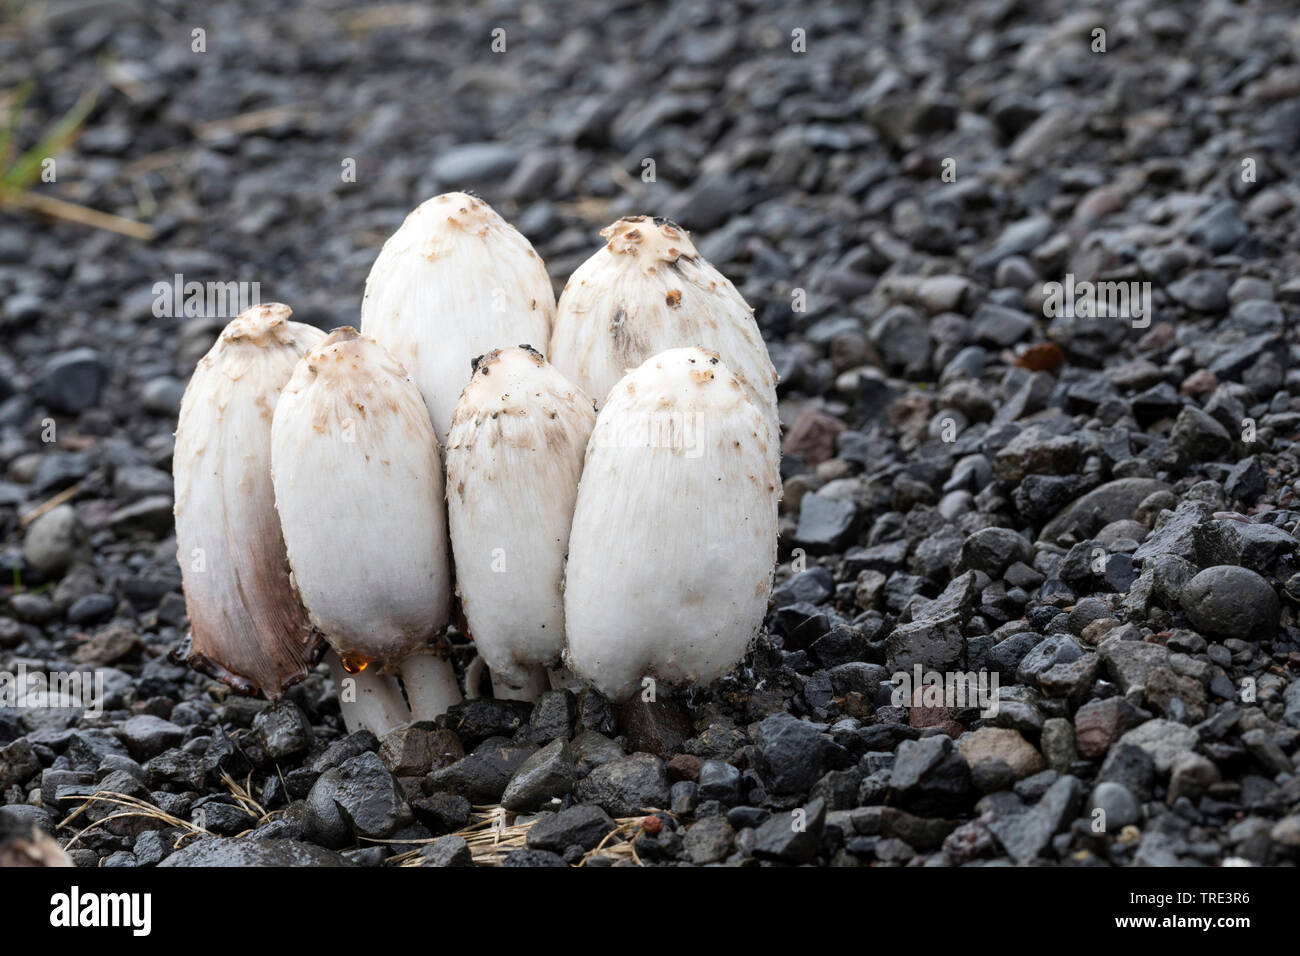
[(249, 628), (514, 457), (673, 544), (648, 289), (455, 281), (358, 487)]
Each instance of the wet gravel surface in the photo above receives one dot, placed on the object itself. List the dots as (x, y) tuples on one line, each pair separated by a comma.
[(1100, 511)]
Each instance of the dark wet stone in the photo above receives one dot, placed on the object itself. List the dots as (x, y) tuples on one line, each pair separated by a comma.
[(474, 721), (244, 852), (283, 730), (793, 837), (70, 382), (659, 727), (1230, 601), (584, 826), (930, 776), (626, 786), (483, 775), (369, 797), (547, 773), (447, 851), (825, 523), (146, 736)]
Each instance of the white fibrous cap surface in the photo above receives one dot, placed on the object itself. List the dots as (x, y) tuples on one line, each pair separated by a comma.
[(455, 281), (673, 543), (514, 457), (647, 290), (248, 627), (358, 487)]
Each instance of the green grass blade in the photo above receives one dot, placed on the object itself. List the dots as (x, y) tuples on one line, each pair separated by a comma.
[(27, 168)]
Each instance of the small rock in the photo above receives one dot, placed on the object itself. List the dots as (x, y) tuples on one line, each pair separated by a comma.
[(547, 773), (146, 736), (474, 163), (483, 775), (626, 786), (52, 540), (1117, 803), (1229, 601), (369, 797), (246, 852), (825, 524), (794, 837), (1099, 723), (930, 776), (1162, 739), (69, 382), (1027, 833), (532, 858), (1003, 745), (583, 826), (709, 840), (932, 644), (418, 749), (659, 727), (447, 851), (283, 730), (1204, 290), (792, 754)]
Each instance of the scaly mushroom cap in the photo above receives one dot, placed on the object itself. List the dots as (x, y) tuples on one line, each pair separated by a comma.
[(648, 290), (249, 628), (453, 282), (358, 486), (674, 535), (514, 457)]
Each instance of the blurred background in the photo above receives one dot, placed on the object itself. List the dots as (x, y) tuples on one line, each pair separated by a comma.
[(889, 184)]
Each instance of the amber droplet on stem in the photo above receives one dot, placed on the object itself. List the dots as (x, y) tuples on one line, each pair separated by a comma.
[(352, 665)]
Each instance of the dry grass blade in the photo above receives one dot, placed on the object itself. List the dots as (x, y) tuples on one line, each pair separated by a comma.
[(490, 835), (247, 122), (54, 501), (18, 176), (135, 808), (70, 211), (244, 797), (386, 15)]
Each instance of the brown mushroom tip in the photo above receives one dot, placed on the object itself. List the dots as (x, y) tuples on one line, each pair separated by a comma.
[(344, 333), (263, 324), (659, 239)]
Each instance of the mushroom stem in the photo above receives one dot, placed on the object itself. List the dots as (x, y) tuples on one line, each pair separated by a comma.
[(473, 677), (561, 678), (370, 702), (539, 682), (430, 683)]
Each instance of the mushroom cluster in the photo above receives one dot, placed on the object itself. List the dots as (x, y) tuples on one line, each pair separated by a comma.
[(608, 516)]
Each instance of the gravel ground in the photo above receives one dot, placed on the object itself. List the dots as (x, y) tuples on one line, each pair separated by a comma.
[(1098, 511)]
